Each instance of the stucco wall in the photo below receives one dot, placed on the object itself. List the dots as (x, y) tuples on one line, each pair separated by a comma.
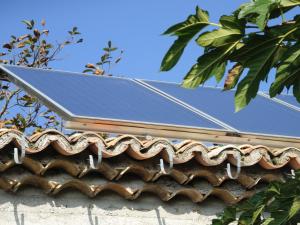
[(32, 207)]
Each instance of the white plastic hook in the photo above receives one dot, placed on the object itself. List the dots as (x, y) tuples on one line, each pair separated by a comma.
[(293, 174), (161, 163), (238, 167), (19, 159), (99, 159)]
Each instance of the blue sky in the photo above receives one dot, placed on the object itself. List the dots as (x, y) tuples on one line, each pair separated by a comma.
[(133, 25)]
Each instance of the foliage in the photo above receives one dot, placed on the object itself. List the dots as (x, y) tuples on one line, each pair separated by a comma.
[(106, 62), (31, 50), (247, 42), (279, 204)]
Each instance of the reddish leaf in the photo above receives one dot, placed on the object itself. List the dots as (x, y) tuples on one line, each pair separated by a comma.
[(43, 22), (233, 76)]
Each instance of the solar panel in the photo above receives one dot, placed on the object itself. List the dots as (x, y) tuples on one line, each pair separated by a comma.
[(261, 116), (78, 96), (289, 99), (122, 105)]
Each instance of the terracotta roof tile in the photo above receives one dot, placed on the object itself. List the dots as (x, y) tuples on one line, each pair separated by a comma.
[(115, 173), (130, 157), (141, 150), (163, 192)]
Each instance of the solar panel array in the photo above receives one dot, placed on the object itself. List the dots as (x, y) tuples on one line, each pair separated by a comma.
[(263, 115), (76, 96)]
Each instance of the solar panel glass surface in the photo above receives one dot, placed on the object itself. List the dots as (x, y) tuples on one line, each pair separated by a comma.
[(101, 97), (289, 99), (262, 115)]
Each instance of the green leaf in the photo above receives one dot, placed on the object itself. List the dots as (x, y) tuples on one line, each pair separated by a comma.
[(32, 23), (228, 216), (289, 3), (87, 71), (295, 208), (185, 31), (256, 214), (280, 202), (209, 64), (289, 208), (260, 59), (28, 23), (174, 53), (274, 189), (219, 71), (232, 30), (192, 24), (287, 70), (261, 9), (282, 29), (267, 221)]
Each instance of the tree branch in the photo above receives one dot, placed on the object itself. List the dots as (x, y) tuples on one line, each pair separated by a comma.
[(7, 101)]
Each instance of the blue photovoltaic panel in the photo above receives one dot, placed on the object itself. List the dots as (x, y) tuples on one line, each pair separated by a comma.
[(107, 98), (262, 115), (289, 99)]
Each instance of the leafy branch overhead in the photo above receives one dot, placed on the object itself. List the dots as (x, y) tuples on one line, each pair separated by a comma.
[(245, 41)]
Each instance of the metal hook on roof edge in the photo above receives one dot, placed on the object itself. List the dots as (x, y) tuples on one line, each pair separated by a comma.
[(99, 158), (19, 158), (171, 162), (238, 166)]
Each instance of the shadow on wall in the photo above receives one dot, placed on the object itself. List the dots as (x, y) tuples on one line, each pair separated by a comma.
[(19, 217), (31, 205)]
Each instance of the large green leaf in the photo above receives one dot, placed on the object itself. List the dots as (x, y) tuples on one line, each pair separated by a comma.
[(295, 208), (279, 204), (229, 215), (284, 6), (291, 207), (288, 70), (231, 30), (192, 23), (219, 71), (252, 215), (260, 60), (267, 221), (174, 53), (250, 47), (261, 9), (185, 31), (289, 3), (209, 64), (285, 28)]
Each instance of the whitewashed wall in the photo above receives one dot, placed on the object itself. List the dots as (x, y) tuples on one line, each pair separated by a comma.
[(32, 207)]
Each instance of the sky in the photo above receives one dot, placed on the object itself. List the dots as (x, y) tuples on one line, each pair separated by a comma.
[(134, 26)]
